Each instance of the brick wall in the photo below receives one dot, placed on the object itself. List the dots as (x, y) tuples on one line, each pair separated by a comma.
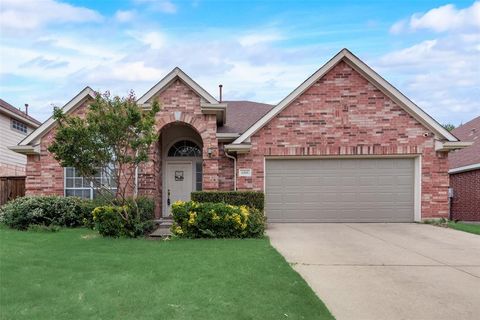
[(465, 204), (225, 169), (44, 173), (179, 98), (344, 114)]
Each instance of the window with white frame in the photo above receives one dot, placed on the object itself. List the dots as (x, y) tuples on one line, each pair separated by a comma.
[(77, 186), (19, 126)]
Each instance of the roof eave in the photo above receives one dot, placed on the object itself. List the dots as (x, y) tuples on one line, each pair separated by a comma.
[(470, 167), (20, 118), (218, 109), (238, 148), (171, 76), (47, 125), (26, 150), (227, 136), (451, 145), (358, 65)]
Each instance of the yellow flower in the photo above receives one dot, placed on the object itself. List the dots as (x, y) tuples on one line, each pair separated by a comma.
[(237, 219), (178, 230), (215, 216), (192, 215), (244, 211), (178, 203)]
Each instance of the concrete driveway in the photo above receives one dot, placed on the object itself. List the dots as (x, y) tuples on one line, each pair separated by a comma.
[(386, 271)]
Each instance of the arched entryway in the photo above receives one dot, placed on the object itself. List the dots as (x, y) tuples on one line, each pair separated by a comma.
[(181, 165)]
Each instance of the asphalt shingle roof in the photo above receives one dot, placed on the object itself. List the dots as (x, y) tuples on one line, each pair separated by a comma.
[(470, 131), (242, 114), (4, 104)]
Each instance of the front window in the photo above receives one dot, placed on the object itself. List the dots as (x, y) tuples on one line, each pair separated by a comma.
[(76, 185)]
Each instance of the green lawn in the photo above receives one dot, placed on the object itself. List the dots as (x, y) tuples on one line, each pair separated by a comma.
[(467, 227), (75, 274)]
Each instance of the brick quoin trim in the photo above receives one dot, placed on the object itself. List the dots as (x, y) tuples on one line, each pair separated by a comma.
[(344, 114), (465, 204)]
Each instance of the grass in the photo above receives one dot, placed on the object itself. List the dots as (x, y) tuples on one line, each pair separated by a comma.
[(75, 274), (467, 227)]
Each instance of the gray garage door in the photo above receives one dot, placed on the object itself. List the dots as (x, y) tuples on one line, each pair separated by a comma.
[(340, 190)]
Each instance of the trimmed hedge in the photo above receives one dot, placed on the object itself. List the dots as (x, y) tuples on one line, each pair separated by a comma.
[(216, 220), (252, 199), (25, 212), (21, 213)]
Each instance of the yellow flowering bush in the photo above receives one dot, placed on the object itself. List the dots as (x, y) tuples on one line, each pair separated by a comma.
[(216, 220)]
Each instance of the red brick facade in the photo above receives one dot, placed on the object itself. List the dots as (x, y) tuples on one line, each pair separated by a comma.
[(44, 173), (341, 114), (178, 100), (465, 204), (344, 114)]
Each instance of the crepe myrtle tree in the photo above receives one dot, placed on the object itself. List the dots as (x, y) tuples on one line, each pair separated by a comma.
[(109, 142)]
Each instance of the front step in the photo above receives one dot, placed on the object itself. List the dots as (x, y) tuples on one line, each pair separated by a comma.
[(163, 229)]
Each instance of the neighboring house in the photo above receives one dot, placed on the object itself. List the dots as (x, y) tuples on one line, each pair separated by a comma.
[(343, 146), (15, 125), (465, 174)]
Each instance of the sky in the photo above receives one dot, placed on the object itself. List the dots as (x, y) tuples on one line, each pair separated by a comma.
[(259, 50)]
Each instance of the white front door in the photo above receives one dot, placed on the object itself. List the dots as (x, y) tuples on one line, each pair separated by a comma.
[(179, 183)]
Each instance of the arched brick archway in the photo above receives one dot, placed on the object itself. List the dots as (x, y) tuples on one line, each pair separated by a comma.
[(150, 176)]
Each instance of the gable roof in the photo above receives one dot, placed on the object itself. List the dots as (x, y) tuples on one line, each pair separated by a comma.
[(177, 73), (7, 108), (370, 75), (242, 114), (68, 107), (469, 156)]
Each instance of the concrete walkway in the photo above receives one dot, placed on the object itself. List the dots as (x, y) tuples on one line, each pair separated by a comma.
[(386, 271)]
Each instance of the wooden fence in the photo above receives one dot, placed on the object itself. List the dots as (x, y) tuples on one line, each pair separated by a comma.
[(11, 188)]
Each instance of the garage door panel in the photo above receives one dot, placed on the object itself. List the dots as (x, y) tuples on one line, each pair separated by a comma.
[(340, 190)]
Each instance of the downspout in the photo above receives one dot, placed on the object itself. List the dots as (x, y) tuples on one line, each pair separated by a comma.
[(136, 181), (234, 170)]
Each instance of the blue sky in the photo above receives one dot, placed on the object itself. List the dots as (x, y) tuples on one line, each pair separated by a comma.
[(259, 50)]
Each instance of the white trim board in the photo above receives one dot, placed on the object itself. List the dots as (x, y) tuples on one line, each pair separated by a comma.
[(172, 75), (469, 167), (68, 107), (367, 72)]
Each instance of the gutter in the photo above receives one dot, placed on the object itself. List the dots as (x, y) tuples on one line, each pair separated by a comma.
[(470, 167), (234, 169)]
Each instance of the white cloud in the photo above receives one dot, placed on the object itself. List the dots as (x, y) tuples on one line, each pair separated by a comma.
[(258, 38), (125, 15), (440, 75), (154, 39), (398, 26), (442, 19), (165, 6), (31, 14)]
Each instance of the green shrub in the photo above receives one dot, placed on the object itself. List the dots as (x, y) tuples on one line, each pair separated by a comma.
[(252, 199), (124, 221), (146, 211), (23, 212), (216, 220)]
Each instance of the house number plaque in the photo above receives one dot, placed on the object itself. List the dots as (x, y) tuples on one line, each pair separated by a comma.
[(245, 172)]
